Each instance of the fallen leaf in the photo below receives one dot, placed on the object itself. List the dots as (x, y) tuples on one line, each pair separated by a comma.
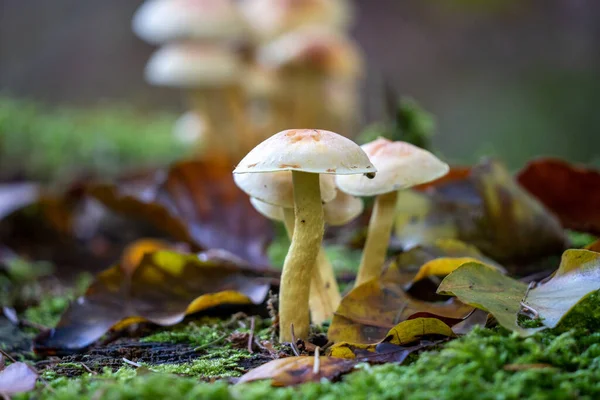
[(571, 192), (197, 203), (487, 209), (16, 378), (163, 288), (441, 266), (17, 195), (577, 276), (295, 370), (394, 346), (369, 311), (488, 289)]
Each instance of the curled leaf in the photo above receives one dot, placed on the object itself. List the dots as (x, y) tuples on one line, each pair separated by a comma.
[(17, 378), (295, 370), (571, 192), (577, 276), (163, 288)]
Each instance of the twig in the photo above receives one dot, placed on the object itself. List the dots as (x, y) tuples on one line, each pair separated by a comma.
[(251, 337), (205, 345), (88, 368), (530, 312), (126, 361), (399, 313), (317, 362), (293, 344), (8, 356)]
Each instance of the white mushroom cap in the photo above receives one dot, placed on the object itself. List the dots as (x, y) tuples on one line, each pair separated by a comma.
[(343, 209), (189, 65), (189, 128), (276, 188), (314, 47), (399, 165), (268, 210), (269, 18), (161, 21), (309, 150)]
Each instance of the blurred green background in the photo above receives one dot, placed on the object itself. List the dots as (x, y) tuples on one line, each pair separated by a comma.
[(511, 78)]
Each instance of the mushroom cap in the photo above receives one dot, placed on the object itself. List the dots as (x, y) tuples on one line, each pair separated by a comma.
[(187, 65), (189, 128), (314, 47), (161, 21), (308, 150), (270, 18), (276, 188), (399, 165), (343, 209), (270, 211)]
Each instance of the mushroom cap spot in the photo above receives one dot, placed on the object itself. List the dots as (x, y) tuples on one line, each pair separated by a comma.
[(276, 188), (343, 209), (162, 21), (308, 150), (400, 165), (270, 211), (188, 65)]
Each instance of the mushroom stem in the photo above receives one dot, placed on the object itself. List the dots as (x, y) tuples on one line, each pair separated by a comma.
[(299, 263), (325, 295), (200, 103), (378, 238)]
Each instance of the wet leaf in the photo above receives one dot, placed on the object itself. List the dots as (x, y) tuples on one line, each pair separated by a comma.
[(486, 288), (577, 276), (163, 288), (394, 346), (486, 208), (16, 378), (195, 202), (571, 192), (295, 370)]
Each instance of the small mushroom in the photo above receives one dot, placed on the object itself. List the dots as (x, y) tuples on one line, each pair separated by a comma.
[(307, 153), (399, 166), (161, 21)]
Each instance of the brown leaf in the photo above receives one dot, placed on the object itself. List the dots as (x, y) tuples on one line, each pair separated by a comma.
[(295, 370), (17, 378), (195, 202), (487, 209), (163, 288), (571, 192)]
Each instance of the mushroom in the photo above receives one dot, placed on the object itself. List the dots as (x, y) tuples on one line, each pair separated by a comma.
[(270, 18), (324, 292), (190, 128), (307, 59), (400, 165), (211, 74), (307, 153), (162, 21)]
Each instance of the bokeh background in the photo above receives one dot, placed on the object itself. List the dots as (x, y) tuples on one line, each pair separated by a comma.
[(513, 79)]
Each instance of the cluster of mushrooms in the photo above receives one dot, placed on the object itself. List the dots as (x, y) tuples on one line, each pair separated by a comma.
[(253, 66), (309, 177)]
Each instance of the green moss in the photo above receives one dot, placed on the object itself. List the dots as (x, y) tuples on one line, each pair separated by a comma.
[(580, 239), (195, 333), (50, 143), (223, 363)]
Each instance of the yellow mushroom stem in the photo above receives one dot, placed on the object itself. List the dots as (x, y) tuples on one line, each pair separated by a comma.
[(301, 257), (378, 238), (325, 295)]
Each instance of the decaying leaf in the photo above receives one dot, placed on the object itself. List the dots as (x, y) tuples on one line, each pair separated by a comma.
[(197, 203), (16, 378), (571, 192), (485, 208), (594, 246), (295, 370), (399, 342), (577, 276), (163, 288), (488, 289)]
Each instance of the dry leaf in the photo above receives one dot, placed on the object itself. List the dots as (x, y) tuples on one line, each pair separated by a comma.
[(163, 288), (571, 192), (295, 370)]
